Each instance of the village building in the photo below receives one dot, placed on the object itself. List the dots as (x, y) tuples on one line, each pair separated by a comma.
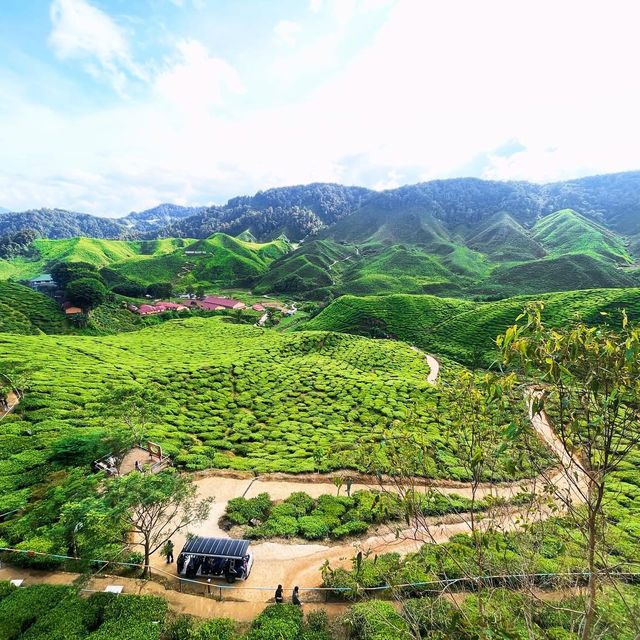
[(70, 310), (158, 307), (43, 281), (212, 303)]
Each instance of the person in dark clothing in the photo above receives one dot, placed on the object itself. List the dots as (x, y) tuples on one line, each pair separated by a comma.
[(168, 549), (279, 596), (295, 598)]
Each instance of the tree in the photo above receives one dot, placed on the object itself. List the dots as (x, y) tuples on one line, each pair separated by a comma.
[(14, 378), (65, 272), (156, 506), (133, 405), (591, 387), (86, 293), (190, 290), (160, 290), (404, 463), (200, 292)]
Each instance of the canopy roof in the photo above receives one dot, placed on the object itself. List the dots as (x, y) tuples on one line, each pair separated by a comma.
[(217, 547)]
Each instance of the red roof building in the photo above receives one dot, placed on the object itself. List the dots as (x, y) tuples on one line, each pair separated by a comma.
[(211, 303), (257, 307)]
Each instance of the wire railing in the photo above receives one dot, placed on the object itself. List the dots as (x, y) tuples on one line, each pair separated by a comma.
[(463, 582)]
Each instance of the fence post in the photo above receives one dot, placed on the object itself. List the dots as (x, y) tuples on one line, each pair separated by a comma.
[(220, 589)]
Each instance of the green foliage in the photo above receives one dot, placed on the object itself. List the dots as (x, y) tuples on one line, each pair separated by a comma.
[(214, 629), (463, 330), (25, 311), (241, 510), (86, 293), (277, 622), (376, 620)]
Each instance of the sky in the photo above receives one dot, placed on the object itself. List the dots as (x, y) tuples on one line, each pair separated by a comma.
[(109, 106)]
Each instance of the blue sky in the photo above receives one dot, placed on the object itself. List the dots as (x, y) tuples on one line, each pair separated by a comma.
[(110, 106)]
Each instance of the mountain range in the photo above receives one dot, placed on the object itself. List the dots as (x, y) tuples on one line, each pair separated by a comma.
[(462, 237)]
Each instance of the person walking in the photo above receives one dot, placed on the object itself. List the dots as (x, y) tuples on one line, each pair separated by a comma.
[(168, 551), (295, 598), (279, 597)]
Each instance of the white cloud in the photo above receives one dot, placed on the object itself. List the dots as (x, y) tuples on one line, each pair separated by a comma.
[(81, 31), (286, 32), (315, 5), (197, 81), (439, 85)]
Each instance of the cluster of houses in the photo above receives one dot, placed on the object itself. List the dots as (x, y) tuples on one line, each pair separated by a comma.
[(158, 307), (210, 303)]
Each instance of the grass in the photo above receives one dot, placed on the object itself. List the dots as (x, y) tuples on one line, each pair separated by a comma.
[(462, 329)]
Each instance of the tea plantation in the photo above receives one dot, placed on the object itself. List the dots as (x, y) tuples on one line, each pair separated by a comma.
[(56, 612), (232, 396), (462, 329)]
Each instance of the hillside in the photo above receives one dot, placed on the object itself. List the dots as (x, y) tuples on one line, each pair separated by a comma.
[(59, 223), (462, 203), (92, 250), (566, 232), (292, 211), (219, 259), (156, 218), (461, 329), (573, 271), (25, 311), (232, 395), (503, 239)]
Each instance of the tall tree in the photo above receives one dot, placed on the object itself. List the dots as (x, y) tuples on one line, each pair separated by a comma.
[(156, 507), (591, 389), (87, 293), (134, 406)]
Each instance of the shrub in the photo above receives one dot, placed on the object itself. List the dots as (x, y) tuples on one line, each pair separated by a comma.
[(353, 528), (376, 620), (277, 622), (284, 527), (214, 629), (313, 527), (317, 620), (180, 629), (241, 510), (302, 502)]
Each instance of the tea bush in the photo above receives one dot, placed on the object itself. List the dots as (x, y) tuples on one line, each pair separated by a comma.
[(334, 517)]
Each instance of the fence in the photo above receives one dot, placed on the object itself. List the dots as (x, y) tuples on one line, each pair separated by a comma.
[(209, 589)]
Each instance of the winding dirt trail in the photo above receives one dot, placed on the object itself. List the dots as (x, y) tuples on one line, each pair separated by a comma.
[(289, 564)]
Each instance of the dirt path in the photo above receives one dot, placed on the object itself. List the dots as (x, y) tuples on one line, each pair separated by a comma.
[(12, 400), (288, 563)]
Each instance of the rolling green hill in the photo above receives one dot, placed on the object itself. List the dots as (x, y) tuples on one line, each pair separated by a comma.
[(92, 250), (461, 329), (224, 259), (309, 270), (219, 259), (232, 395), (564, 273), (566, 231), (25, 311), (504, 239)]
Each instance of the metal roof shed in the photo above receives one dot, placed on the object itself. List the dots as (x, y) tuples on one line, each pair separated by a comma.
[(216, 547)]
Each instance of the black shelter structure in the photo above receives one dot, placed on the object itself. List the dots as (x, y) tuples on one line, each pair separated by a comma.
[(215, 557)]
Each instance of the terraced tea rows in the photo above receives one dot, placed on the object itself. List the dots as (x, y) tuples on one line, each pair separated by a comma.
[(461, 329), (233, 396)]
